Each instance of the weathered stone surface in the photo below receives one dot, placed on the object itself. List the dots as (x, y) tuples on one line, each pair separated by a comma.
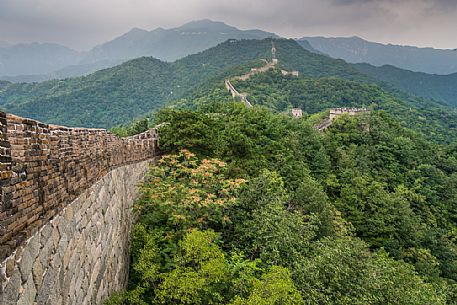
[(10, 294), (26, 262), (46, 231), (69, 263), (48, 287), (9, 266), (37, 273), (28, 295)]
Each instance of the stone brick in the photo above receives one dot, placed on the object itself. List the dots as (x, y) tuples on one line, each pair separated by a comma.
[(92, 258), (10, 294), (37, 273)]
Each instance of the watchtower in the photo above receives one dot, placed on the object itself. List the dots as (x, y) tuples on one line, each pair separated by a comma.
[(273, 52), (297, 113)]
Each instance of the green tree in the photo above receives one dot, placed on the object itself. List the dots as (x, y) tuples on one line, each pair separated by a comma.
[(200, 275), (274, 288), (343, 271)]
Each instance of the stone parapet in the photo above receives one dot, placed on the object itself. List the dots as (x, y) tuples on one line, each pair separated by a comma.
[(45, 167)]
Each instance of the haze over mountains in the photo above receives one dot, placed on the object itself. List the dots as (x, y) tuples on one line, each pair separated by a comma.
[(170, 44), (358, 50), (119, 94), (37, 62), (44, 61), (35, 58)]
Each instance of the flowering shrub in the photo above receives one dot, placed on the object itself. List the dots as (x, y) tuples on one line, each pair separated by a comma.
[(182, 193)]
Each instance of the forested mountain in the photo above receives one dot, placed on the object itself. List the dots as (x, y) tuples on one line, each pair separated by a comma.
[(117, 95), (357, 50), (74, 70), (442, 88), (35, 58)]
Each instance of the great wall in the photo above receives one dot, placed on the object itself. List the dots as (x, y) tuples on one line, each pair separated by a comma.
[(65, 210), (268, 65), (295, 112)]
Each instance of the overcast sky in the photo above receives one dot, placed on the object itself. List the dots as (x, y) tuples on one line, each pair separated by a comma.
[(81, 24)]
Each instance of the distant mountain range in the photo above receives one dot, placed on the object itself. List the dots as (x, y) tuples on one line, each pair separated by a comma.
[(35, 58), (44, 61), (442, 88), (357, 50), (38, 62), (171, 44)]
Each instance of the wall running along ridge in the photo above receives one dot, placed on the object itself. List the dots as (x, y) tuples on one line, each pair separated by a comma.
[(64, 210)]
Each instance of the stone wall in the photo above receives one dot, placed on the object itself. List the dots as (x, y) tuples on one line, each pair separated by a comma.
[(65, 210), (45, 167), (81, 255)]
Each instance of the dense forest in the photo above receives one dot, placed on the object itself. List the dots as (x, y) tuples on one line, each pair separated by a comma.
[(313, 95), (251, 207)]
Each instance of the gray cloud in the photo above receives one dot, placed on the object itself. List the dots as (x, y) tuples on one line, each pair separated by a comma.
[(451, 3), (82, 24)]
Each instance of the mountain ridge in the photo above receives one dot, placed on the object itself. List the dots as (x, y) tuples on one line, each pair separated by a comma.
[(357, 50), (442, 88), (165, 44), (170, 44)]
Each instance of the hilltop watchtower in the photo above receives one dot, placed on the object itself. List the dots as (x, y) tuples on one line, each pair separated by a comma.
[(273, 53), (297, 113)]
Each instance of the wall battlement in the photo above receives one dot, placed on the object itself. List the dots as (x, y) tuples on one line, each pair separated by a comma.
[(43, 168), (335, 112)]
